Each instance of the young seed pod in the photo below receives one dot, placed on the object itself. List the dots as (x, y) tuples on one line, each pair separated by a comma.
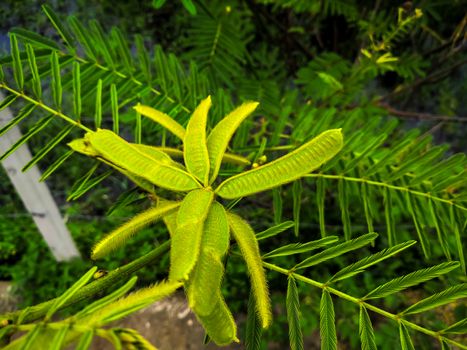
[(186, 240), (285, 169), (246, 240), (220, 324), (195, 151), (123, 154)]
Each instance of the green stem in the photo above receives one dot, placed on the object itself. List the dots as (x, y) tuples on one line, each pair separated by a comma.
[(44, 107), (393, 187), (37, 311), (358, 301)]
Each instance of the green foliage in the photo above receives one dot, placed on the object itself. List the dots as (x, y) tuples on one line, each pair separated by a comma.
[(331, 81)]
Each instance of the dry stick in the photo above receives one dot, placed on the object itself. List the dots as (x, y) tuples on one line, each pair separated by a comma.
[(422, 116), (432, 78), (37, 311)]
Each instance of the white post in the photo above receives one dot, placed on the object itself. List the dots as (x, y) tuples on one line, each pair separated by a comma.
[(35, 195)]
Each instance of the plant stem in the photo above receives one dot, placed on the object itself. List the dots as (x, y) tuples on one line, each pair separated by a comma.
[(358, 301), (44, 107), (37, 311), (393, 187)]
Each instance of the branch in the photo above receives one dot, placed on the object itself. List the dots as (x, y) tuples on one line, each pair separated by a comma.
[(37, 311), (432, 78), (420, 115), (357, 301)]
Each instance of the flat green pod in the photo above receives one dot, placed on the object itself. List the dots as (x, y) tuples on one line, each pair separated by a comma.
[(124, 155), (246, 240), (220, 324), (170, 222), (84, 147), (119, 236), (288, 168), (216, 230), (186, 240), (220, 136), (195, 151), (209, 270), (205, 282), (157, 155), (163, 119)]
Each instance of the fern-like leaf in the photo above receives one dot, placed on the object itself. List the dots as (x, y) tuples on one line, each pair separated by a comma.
[(327, 326), (412, 279), (367, 335), (337, 250), (293, 315)]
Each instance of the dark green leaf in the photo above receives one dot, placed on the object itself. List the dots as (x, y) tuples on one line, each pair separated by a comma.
[(296, 248), (297, 202), (157, 4), (367, 335), (143, 58), (62, 299), (343, 194), (7, 101), (83, 37), (98, 114), (293, 315), (36, 80), (253, 327), (272, 231), (368, 261), (76, 90), (114, 105), (17, 66), (337, 250), (327, 327), (60, 27), (47, 148), (320, 189), (34, 38), (56, 80), (42, 123), (457, 328), (412, 279), (406, 342), (446, 296), (277, 204), (188, 4), (56, 164)]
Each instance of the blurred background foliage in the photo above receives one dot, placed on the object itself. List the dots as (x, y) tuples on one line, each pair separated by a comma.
[(312, 64)]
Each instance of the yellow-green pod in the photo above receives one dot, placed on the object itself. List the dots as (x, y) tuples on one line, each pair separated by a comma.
[(163, 119), (158, 155), (220, 324), (124, 155), (195, 151), (84, 147), (186, 240), (170, 222), (118, 237), (288, 168), (205, 282), (246, 240), (209, 270), (220, 136)]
